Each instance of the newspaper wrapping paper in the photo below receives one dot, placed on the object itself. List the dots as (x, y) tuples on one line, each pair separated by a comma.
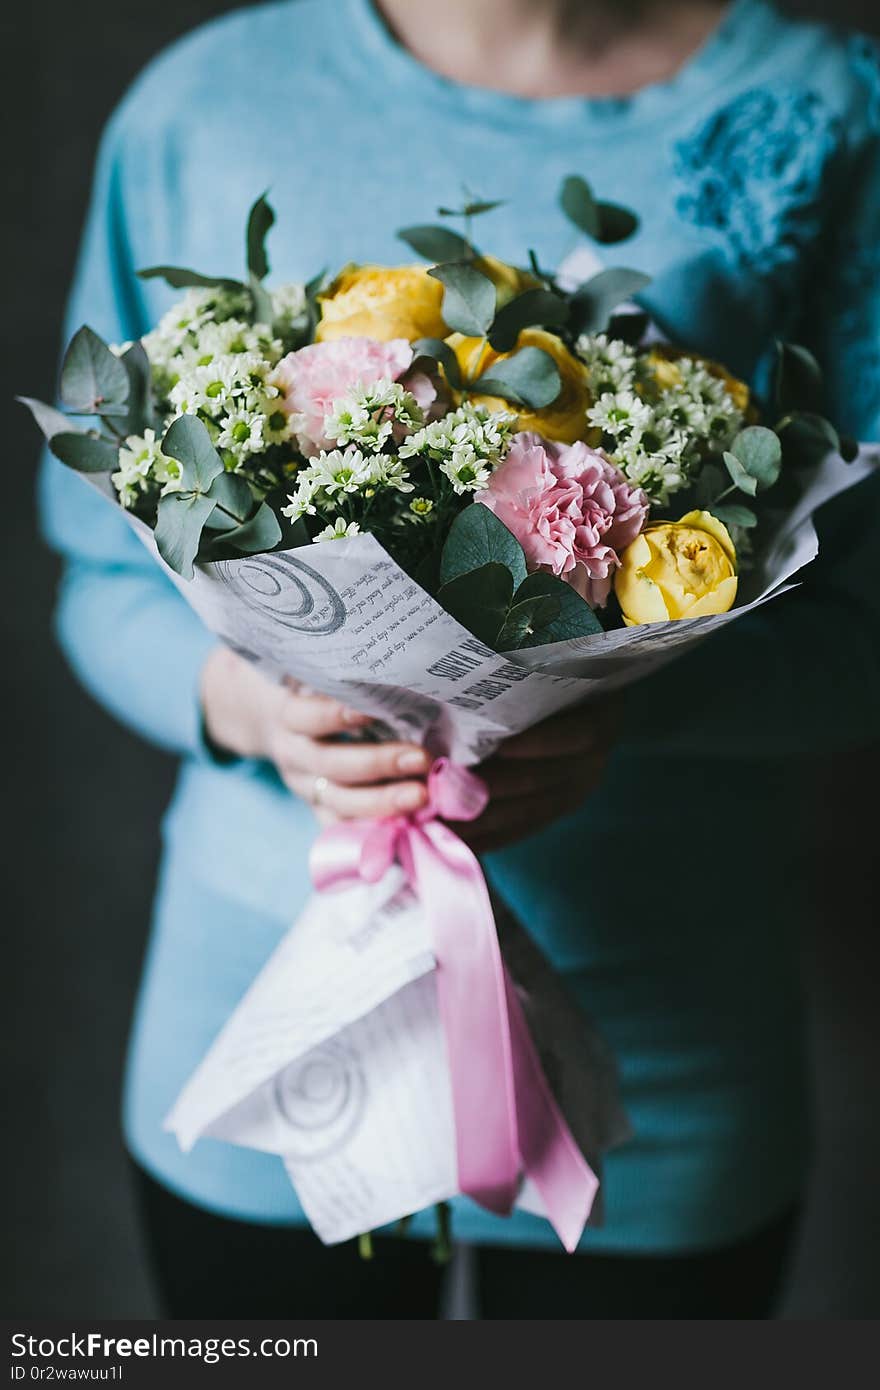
[(335, 1057)]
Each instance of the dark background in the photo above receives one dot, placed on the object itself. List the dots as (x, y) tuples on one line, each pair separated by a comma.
[(82, 798)]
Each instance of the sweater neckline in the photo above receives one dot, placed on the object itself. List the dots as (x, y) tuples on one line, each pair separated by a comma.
[(739, 30)]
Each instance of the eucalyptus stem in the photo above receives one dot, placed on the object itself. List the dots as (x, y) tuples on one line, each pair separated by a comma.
[(441, 1250)]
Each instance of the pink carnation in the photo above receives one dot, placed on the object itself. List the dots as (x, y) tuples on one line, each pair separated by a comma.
[(315, 376), (570, 509)]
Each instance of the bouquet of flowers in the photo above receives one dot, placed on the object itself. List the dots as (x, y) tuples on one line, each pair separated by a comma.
[(462, 497)]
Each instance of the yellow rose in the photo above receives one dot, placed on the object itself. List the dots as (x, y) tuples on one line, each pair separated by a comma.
[(677, 569), (663, 361), (382, 302), (565, 418)]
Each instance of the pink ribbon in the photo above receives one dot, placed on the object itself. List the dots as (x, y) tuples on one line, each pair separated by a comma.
[(507, 1122)]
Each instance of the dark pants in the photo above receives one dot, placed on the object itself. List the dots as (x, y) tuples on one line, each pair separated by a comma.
[(211, 1267)]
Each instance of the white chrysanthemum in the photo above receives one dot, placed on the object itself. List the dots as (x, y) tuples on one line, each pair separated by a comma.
[(241, 434), (611, 363), (619, 413), (466, 470), (468, 444), (391, 472), (340, 471), (420, 508), (142, 463), (289, 304), (339, 530), (369, 415), (301, 503)]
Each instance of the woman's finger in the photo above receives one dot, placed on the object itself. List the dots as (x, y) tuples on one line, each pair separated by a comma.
[(358, 803), (352, 764), (318, 716)]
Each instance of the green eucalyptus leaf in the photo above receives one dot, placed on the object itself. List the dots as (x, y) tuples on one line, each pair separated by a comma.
[(760, 453), (180, 278), (138, 412), (808, 422), (469, 299), (479, 599), (440, 352), (525, 619), (50, 420), (259, 533), (85, 453), (798, 381), (477, 538), (437, 243), (92, 377), (473, 209), (180, 520), (261, 301), (577, 202), (593, 302), (710, 482), (734, 514), (532, 307), (260, 219), (188, 441), (529, 377), (233, 496), (616, 223), (740, 476), (574, 618)]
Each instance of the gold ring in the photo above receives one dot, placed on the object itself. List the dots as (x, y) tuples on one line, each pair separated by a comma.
[(318, 789)]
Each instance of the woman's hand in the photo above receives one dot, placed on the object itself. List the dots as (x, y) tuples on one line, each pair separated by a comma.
[(542, 775), (295, 729)]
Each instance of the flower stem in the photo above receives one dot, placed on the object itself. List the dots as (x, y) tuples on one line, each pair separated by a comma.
[(441, 1250), (365, 1245)]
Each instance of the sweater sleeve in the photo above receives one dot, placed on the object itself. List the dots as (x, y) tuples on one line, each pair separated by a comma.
[(802, 674), (130, 637)]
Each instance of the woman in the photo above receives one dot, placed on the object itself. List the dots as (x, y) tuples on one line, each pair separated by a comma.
[(666, 873)]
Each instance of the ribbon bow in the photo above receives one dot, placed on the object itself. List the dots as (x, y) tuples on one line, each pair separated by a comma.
[(507, 1122)]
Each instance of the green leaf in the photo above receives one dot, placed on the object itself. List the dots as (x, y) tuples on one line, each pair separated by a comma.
[(743, 479), (734, 514), (261, 301), (760, 453), (532, 307), (577, 202), (188, 441), (479, 600), (50, 420), (615, 223), (232, 494), (474, 209), (440, 352), (260, 219), (437, 243), (85, 453), (710, 482), (529, 377), (574, 618), (181, 279), (477, 538), (261, 532), (469, 298), (525, 619), (138, 413), (593, 302), (180, 519), (813, 424), (91, 375), (798, 382), (849, 448)]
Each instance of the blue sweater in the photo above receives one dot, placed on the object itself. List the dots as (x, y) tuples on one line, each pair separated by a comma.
[(673, 900)]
